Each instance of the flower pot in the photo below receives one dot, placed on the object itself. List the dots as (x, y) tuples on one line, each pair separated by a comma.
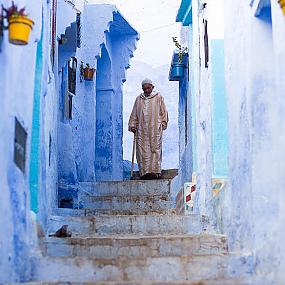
[(88, 74), (19, 30), (177, 70)]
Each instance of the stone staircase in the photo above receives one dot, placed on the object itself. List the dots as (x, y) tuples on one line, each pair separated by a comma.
[(128, 233)]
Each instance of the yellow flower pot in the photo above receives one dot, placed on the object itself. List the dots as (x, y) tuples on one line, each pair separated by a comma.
[(19, 30), (89, 73), (282, 5)]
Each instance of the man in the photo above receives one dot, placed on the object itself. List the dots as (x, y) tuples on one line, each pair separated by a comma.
[(148, 120)]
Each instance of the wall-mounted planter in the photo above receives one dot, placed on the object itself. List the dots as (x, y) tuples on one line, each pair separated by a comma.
[(19, 30), (88, 74), (178, 69), (179, 66)]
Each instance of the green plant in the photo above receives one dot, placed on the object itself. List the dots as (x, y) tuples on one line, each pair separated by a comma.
[(181, 50), (13, 11), (87, 66)]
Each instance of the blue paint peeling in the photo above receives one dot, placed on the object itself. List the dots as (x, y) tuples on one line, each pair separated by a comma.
[(61, 151), (18, 200)]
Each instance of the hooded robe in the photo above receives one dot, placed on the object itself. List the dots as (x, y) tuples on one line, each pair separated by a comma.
[(149, 116)]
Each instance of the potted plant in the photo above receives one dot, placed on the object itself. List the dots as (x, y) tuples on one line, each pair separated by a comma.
[(86, 72), (179, 66), (19, 25)]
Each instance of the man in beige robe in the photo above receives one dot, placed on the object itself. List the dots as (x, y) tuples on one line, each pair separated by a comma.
[(148, 120)]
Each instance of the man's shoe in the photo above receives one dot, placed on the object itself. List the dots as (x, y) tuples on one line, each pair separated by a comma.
[(153, 175), (145, 177), (149, 176)]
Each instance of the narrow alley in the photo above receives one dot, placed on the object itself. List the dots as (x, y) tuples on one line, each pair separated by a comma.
[(127, 232), (142, 142)]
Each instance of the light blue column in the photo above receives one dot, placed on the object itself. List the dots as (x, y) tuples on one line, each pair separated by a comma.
[(219, 110), (193, 102), (35, 139)]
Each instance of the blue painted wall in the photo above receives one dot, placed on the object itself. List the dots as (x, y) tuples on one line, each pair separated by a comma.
[(186, 107), (192, 100), (32, 91), (17, 78), (97, 121), (104, 118)]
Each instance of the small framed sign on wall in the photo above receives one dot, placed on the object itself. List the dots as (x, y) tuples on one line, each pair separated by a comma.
[(20, 145)]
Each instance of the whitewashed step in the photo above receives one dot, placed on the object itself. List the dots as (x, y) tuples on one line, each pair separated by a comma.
[(240, 281), (92, 212), (132, 225), (143, 203), (79, 269), (111, 247), (123, 188)]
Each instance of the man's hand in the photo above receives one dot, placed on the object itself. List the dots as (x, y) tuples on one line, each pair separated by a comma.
[(133, 129)]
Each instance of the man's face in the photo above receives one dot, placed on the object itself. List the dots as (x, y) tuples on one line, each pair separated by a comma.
[(147, 88)]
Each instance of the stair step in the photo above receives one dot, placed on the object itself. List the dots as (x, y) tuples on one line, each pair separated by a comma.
[(129, 224), (123, 188), (111, 247), (187, 268), (156, 203), (243, 281), (112, 212)]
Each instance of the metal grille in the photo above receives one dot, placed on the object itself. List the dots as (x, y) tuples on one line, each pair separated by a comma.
[(72, 64), (53, 30), (206, 43), (1, 27), (78, 25)]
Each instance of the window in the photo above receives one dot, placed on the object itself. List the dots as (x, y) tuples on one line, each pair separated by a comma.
[(72, 65), (78, 30), (49, 149), (53, 31), (206, 43), (1, 28)]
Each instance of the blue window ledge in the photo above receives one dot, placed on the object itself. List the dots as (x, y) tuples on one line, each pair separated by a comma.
[(260, 7), (184, 14)]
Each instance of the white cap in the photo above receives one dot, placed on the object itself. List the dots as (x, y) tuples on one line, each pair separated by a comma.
[(146, 81)]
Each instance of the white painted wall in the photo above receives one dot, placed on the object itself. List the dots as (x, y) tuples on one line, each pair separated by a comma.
[(254, 65), (17, 88)]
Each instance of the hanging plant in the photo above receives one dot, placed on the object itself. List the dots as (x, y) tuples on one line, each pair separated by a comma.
[(178, 67), (86, 72), (19, 25), (181, 50)]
